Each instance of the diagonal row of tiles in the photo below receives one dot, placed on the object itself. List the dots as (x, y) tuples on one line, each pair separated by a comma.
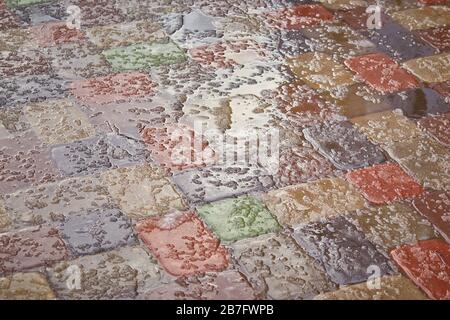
[(87, 177)]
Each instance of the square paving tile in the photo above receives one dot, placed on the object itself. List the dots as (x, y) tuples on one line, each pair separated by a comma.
[(438, 38), (58, 121), (435, 206), (384, 183), (389, 226), (278, 267), (392, 288), (142, 191), (25, 286), (30, 248), (143, 56), (306, 202), (236, 219), (320, 71), (225, 285), (423, 18), (437, 126), (299, 17), (117, 274), (114, 88), (96, 230), (182, 244), (343, 250), (382, 73), (214, 183), (430, 69), (427, 264), (98, 154), (344, 145)]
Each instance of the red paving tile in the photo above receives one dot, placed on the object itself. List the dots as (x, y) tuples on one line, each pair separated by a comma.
[(439, 38), (299, 17), (182, 244), (113, 88), (438, 127), (382, 73), (53, 33), (384, 183), (428, 265)]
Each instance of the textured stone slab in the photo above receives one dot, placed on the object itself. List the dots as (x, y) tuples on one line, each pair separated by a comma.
[(5, 220), (215, 183), (435, 206), (182, 244), (236, 219), (114, 88), (299, 16), (382, 73), (384, 183), (117, 274), (312, 201), (22, 64), (392, 225), (277, 267), (344, 145), (430, 69), (47, 11), (423, 18), (98, 154), (52, 202), (55, 33), (226, 285), (58, 121), (427, 264), (25, 286), (142, 191), (437, 126), (30, 248), (343, 250), (98, 12), (438, 38), (16, 39), (144, 55), (391, 288), (320, 71)]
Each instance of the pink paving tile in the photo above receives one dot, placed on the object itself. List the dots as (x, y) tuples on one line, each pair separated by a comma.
[(182, 244), (428, 265), (384, 183), (299, 17), (438, 127), (118, 87), (53, 33), (382, 73), (30, 248)]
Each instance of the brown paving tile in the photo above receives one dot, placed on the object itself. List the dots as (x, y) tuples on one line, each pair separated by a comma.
[(54, 33), (30, 248), (428, 265), (306, 202), (435, 206), (443, 89), (389, 226), (226, 285), (391, 288), (114, 88), (25, 286), (382, 73), (423, 18), (439, 38), (182, 244), (5, 220), (384, 183), (299, 16), (8, 20), (343, 250), (277, 267), (17, 39), (438, 127), (320, 71), (58, 121), (142, 191), (430, 69), (22, 63)]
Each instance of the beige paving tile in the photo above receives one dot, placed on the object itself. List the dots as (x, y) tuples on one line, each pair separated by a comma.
[(25, 286), (343, 4), (307, 202), (423, 18), (5, 220), (142, 191), (430, 69), (58, 121), (392, 288)]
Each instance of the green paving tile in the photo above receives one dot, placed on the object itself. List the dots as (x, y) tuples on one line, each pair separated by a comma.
[(20, 3), (240, 218), (144, 55)]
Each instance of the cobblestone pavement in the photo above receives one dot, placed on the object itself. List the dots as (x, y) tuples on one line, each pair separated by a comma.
[(101, 199)]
